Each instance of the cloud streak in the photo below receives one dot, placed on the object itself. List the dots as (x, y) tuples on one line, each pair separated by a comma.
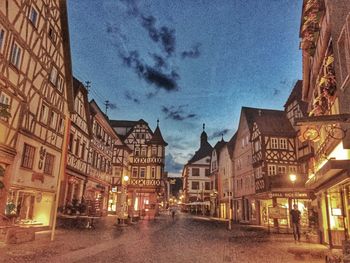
[(163, 35), (131, 97), (151, 75), (177, 113), (194, 52), (218, 134)]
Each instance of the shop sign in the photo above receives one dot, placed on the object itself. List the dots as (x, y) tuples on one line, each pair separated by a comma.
[(277, 212), (289, 195)]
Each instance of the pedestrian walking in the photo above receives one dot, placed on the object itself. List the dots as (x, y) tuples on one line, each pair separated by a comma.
[(295, 220), (173, 211)]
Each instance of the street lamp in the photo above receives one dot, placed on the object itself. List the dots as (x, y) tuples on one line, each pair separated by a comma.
[(293, 178)]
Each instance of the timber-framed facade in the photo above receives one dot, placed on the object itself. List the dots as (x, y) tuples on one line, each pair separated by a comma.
[(36, 83)]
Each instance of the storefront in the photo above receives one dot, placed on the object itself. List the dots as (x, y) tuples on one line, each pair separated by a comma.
[(96, 197), (30, 207), (335, 208), (285, 200)]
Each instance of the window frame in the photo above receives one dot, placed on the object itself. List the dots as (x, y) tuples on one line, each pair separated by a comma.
[(30, 17), (274, 143), (194, 182), (2, 38), (28, 156), (142, 171), (283, 143), (16, 54), (49, 163), (195, 169), (134, 172), (271, 169)]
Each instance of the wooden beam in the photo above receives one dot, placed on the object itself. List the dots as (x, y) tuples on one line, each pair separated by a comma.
[(324, 119)]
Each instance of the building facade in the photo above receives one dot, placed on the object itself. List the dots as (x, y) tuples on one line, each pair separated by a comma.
[(245, 207), (100, 171), (77, 163), (146, 187), (274, 160), (221, 174), (36, 84), (324, 33), (196, 173)]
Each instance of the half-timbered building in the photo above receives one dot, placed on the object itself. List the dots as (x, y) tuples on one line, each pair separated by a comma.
[(74, 181), (146, 165), (196, 174), (274, 159), (100, 170), (324, 33), (36, 84)]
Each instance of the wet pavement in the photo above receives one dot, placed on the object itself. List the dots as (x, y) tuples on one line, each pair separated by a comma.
[(186, 239)]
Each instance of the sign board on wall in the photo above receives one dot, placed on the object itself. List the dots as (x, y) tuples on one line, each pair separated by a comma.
[(277, 212)]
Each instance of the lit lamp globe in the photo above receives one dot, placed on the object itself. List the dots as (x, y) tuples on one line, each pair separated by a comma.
[(292, 178), (125, 178)]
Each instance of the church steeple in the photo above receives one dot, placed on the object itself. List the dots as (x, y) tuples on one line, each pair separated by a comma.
[(204, 136)]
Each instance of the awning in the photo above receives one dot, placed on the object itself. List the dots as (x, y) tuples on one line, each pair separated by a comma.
[(331, 168)]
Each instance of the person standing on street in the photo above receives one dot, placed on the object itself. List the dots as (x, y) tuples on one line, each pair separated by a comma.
[(295, 220)]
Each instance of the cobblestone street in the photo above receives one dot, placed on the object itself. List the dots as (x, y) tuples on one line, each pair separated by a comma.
[(186, 239)]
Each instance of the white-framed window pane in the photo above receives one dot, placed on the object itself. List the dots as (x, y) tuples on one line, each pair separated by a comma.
[(283, 144), (271, 169), (15, 55), (274, 143), (60, 83), (53, 76), (142, 172), (33, 16), (43, 113)]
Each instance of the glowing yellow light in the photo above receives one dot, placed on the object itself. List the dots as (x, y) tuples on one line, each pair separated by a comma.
[(293, 177), (126, 178)]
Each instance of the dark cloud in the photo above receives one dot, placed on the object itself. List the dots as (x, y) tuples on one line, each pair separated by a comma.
[(171, 165), (276, 92), (218, 134), (131, 97), (177, 113), (194, 52), (164, 34), (159, 61), (151, 75)]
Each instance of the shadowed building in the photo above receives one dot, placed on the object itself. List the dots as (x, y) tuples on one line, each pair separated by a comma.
[(196, 180)]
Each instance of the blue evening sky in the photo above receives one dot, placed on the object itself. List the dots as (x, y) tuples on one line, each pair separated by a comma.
[(186, 62)]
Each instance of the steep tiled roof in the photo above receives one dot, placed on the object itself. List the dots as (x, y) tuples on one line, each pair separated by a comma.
[(270, 122), (157, 138), (218, 146), (296, 95), (231, 145)]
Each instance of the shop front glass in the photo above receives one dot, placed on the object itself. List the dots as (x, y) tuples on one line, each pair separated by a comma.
[(303, 207), (338, 204), (30, 207)]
